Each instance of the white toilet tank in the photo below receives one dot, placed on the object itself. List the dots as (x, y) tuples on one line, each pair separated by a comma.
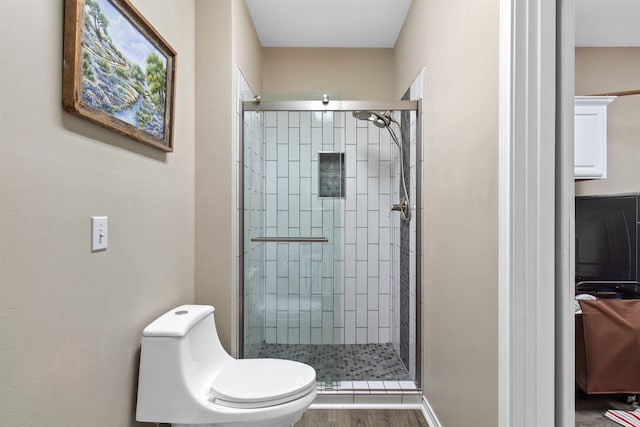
[(180, 356)]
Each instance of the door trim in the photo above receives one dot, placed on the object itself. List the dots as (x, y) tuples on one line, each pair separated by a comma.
[(527, 135)]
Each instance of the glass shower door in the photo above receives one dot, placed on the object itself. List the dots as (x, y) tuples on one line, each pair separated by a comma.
[(293, 226), (329, 269)]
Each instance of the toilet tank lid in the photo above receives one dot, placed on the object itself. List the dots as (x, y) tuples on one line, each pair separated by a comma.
[(178, 321)]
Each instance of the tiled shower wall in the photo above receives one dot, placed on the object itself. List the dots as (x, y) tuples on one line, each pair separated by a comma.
[(302, 279), (336, 292), (405, 243)]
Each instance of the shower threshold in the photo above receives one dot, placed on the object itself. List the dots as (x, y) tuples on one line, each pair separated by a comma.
[(367, 393)]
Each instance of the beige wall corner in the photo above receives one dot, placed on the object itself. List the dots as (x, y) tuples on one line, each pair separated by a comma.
[(213, 213), (225, 41), (247, 52)]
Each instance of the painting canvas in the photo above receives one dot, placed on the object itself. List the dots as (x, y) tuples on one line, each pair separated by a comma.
[(118, 71)]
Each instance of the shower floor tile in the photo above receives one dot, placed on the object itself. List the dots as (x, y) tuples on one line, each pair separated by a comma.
[(344, 362)]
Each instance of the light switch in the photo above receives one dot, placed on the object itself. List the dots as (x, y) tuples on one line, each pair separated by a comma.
[(99, 233)]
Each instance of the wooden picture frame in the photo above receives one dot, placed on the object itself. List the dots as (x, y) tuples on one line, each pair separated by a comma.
[(118, 71)]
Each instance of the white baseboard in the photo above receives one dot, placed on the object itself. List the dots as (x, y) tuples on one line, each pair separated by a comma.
[(429, 415)]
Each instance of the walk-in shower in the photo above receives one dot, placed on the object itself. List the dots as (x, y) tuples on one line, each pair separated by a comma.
[(329, 270)]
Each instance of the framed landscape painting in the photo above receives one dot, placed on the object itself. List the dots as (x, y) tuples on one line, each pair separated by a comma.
[(118, 71)]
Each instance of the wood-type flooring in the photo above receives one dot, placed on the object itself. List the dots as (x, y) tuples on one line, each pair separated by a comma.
[(362, 417)]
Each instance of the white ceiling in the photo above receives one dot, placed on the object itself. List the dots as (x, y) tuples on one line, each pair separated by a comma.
[(607, 23), (328, 23), (377, 23)]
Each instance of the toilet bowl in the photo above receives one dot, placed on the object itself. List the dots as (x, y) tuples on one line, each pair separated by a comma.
[(187, 378)]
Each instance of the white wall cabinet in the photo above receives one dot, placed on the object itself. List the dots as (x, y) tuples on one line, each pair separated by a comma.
[(590, 136)]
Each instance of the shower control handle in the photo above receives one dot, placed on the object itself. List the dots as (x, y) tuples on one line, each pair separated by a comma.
[(403, 208)]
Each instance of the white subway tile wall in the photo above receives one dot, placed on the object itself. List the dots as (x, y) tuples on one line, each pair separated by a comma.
[(339, 302)]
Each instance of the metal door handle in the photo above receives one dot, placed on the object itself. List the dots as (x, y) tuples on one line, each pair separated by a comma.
[(291, 239)]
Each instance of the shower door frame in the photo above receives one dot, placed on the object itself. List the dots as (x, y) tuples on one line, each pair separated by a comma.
[(338, 106)]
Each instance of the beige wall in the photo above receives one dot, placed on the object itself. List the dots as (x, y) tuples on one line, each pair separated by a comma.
[(358, 74), (71, 320), (247, 52), (600, 70), (457, 42), (226, 40), (213, 240)]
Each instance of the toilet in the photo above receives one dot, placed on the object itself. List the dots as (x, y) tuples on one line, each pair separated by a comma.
[(187, 378)]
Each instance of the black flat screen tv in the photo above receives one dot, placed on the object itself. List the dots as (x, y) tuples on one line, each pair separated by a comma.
[(607, 237)]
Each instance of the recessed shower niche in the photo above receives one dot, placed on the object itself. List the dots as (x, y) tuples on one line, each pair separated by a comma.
[(322, 281), (330, 174)]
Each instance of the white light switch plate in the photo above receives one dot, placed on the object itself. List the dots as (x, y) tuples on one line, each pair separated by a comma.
[(99, 233)]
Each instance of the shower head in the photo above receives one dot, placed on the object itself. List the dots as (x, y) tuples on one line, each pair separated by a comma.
[(382, 120)]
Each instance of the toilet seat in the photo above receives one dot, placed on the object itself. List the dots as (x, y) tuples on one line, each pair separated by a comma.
[(259, 383)]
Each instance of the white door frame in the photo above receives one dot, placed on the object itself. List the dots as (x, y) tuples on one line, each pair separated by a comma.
[(536, 213), (565, 216)]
